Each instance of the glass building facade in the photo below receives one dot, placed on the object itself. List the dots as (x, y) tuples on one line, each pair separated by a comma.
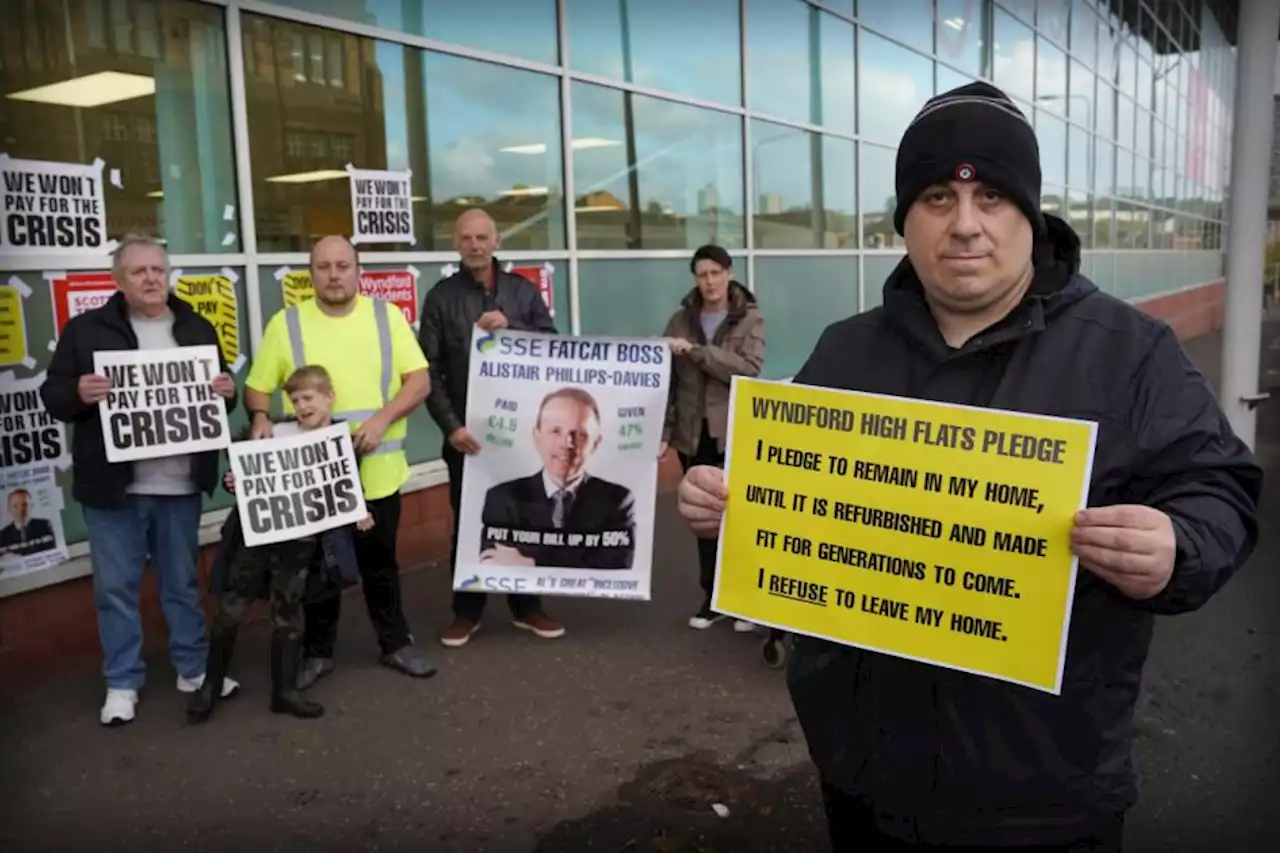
[(609, 138)]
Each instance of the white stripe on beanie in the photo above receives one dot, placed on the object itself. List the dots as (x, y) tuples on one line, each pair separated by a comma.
[(958, 100)]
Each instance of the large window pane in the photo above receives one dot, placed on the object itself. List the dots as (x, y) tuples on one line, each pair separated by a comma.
[(524, 28), (472, 133), (1080, 95), (876, 197), (908, 21), (636, 297), (1051, 77), (800, 64), (1084, 32), (654, 174), (804, 184), (800, 297), (960, 28), (687, 47), (1051, 133), (493, 138), (154, 107), (1014, 56), (894, 84), (1079, 148)]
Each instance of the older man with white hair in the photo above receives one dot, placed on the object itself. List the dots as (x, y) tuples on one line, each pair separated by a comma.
[(135, 509)]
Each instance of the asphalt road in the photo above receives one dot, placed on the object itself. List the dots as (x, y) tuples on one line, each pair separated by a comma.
[(620, 737)]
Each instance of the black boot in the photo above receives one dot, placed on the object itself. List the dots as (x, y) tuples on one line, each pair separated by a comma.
[(222, 642), (285, 698)]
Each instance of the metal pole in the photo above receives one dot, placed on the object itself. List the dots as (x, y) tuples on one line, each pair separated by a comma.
[(1259, 22)]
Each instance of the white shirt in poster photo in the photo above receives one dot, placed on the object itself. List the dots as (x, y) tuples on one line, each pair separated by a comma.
[(161, 403), (560, 499)]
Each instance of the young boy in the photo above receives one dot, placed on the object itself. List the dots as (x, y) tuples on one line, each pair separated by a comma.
[(287, 574)]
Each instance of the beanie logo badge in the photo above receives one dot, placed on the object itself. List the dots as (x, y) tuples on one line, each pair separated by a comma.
[(965, 172)]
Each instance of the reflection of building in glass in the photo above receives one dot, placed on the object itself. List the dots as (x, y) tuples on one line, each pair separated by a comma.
[(125, 89)]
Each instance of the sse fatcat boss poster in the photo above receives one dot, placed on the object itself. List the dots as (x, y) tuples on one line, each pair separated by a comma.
[(560, 498)]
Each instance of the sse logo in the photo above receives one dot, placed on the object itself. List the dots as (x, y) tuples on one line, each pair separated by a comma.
[(487, 343), (474, 580)]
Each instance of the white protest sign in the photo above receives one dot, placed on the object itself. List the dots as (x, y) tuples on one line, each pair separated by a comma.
[(52, 208), (31, 534), (161, 403), (28, 433), (297, 485), (381, 206), (560, 498)]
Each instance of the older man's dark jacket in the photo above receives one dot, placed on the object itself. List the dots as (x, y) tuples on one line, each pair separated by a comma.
[(97, 482), (949, 758), (449, 314)]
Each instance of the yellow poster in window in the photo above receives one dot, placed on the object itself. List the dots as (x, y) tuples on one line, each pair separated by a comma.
[(13, 326), (933, 532), (213, 296), (297, 287)]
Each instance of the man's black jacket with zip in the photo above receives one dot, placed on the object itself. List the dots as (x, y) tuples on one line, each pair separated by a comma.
[(949, 758), (97, 482), (449, 314)]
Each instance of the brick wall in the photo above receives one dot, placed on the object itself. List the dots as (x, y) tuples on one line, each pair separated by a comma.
[(55, 629)]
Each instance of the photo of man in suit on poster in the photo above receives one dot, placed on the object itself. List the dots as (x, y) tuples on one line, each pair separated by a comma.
[(24, 535), (562, 498)]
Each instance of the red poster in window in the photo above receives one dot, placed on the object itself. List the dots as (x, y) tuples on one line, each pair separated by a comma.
[(541, 276), (77, 292), (399, 287)]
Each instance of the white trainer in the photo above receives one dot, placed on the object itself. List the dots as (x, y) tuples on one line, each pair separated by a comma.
[(190, 685), (742, 626), (119, 707)]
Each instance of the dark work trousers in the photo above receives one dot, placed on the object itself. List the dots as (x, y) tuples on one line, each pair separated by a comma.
[(470, 605), (853, 830), (706, 454), (380, 582)]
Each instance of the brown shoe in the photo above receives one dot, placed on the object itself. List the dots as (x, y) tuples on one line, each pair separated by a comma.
[(540, 624), (459, 633)]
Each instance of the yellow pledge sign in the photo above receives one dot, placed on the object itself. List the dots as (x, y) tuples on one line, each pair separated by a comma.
[(933, 532)]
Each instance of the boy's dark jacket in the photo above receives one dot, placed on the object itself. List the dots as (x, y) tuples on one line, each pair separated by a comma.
[(337, 548)]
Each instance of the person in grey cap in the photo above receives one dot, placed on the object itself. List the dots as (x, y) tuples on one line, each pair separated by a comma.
[(989, 309)]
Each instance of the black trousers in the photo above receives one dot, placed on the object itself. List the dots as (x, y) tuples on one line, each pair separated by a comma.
[(853, 830), (380, 582), (470, 605), (707, 453)]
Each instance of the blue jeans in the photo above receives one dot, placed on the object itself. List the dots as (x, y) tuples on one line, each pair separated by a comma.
[(167, 528)]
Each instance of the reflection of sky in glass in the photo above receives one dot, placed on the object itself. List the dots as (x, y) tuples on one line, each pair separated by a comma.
[(689, 159), (876, 191), (895, 84), (686, 46), (474, 111), (1078, 159), (959, 33), (1013, 53), (948, 80), (1051, 132), (524, 28), (787, 78), (909, 21)]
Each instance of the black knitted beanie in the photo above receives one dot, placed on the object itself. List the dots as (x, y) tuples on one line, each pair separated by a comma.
[(973, 133)]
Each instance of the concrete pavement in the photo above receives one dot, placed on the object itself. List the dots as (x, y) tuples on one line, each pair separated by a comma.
[(619, 737)]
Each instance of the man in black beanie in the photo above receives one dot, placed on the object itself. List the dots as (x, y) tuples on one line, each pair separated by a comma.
[(989, 309)]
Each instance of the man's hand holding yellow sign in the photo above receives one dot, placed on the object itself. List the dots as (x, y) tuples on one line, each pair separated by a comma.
[(934, 532)]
